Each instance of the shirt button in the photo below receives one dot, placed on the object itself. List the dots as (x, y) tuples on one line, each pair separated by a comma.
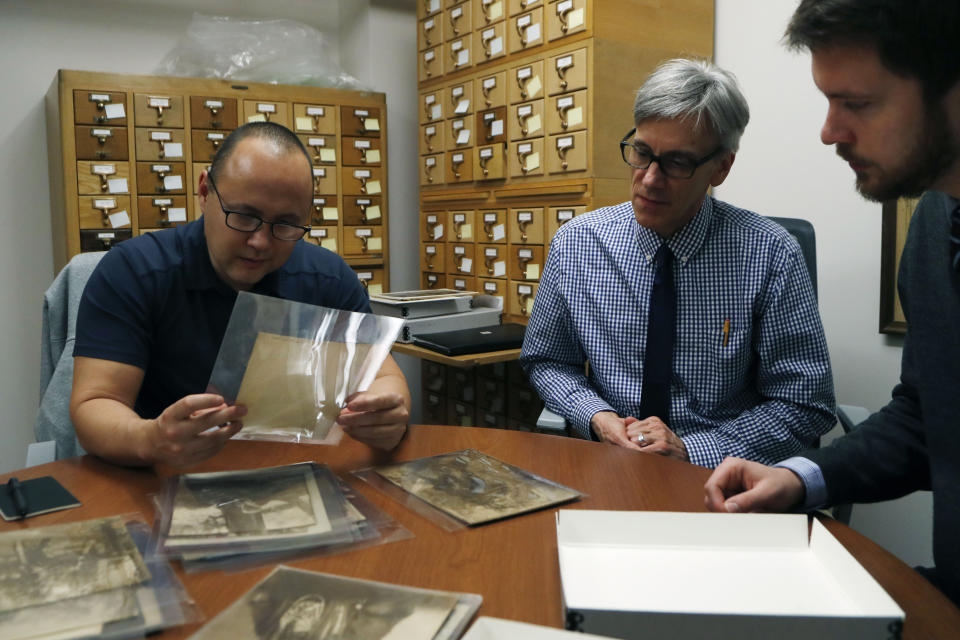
[(649, 257)]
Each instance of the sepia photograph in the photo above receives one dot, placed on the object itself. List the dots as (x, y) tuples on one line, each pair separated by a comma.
[(474, 487), (290, 604), (234, 507), (82, 616), (50, 564)]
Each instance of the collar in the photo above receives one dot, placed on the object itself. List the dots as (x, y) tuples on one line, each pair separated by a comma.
[(684, 243)]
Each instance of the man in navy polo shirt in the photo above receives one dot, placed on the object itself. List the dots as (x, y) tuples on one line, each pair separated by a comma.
[(154, 312)]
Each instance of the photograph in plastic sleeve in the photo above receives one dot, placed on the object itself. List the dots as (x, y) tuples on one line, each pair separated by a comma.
[(371, 527), (291, 506), (293, 603), (472, 487), (87, 580), (293, 365)]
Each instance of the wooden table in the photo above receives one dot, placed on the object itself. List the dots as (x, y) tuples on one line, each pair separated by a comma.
[(465, 361), (512, 563)]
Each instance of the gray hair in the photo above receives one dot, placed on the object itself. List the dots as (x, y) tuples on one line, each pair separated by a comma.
[(695, 89)]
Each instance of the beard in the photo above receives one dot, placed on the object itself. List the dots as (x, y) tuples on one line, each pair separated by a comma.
[(935, 150)]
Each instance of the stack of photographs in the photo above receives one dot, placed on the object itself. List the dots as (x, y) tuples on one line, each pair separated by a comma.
[(293, 603), (87, 580), (235, 518), (466, 488)]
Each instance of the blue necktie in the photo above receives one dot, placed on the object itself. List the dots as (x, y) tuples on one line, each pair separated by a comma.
[(955, 239), (658, 359)]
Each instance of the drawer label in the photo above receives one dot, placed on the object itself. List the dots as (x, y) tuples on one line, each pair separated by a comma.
[(162, 202), (564, 62), (565, 142), (160, 135), (159, 102), (365, 275), (214, 136), (317, 142), (565, 102), (361, 113), (99, 97), (363, 173), (160, 168), (213, 104), (486, 152), (564, 214), (490, 83), (103, 169), (364, 233), (361, 144), (525, 216), (264, 107), (316, 111), (319, 172), (104, 203), (101, 133), (525, 253), (524, 289)]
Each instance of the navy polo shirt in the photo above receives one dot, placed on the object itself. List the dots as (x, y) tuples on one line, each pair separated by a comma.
[(155, 302)]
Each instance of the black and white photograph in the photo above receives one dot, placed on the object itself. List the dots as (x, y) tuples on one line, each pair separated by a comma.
[(291, 604), (474, 487)]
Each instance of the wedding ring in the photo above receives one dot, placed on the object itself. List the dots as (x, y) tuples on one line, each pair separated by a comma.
[(640, 438)]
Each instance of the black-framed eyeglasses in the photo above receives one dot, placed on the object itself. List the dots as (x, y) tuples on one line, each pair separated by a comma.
[(674, 164), (247, 222)]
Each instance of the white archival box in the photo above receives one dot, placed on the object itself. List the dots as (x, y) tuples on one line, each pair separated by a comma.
[(649, 574), (484, 311), (487, 628)]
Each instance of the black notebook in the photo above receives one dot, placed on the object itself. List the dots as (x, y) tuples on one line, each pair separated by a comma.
[(42, 495), (478, 340)]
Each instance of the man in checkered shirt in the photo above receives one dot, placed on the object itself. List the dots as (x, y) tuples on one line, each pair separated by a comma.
[(750, 374)]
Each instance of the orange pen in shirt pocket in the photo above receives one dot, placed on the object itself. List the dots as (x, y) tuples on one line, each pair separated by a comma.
[(726, 331)]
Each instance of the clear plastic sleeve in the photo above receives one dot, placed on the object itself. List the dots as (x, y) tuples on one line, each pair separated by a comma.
[(273, 51), (294, 365)]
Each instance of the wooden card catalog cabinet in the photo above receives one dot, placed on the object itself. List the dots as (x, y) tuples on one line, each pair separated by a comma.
[(522, 104), (129, 151)]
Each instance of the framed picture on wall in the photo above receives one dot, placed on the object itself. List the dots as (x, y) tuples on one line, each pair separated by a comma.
[(896, 222)]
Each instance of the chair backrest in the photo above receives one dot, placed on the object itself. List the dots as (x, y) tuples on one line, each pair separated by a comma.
[(803, 231), (60, 304)]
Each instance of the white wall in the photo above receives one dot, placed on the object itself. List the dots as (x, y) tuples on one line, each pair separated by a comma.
[(782, 169), (37, 37)]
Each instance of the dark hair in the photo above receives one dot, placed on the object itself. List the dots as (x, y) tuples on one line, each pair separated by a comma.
[(278, 134), (914, 38)]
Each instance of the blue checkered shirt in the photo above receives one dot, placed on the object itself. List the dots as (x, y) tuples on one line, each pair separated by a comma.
[(763, 392)]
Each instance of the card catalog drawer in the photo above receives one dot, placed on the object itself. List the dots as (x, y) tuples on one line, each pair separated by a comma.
[(490, 420), (205, 144), (159, 144), (430, 32), (523, 409), (371, 279), (434, 227), (101, 143), (459, 166), (525, 263), (431, 169), (433, 281), (361, 242), (489, 163), (432, 103), (525, 82), (433, 257), (488, 12), (361, 210), (567, 153), (212, 112), (161, 211), (520, 297), (526, 225), (527, 120), (492, 225), (326, 237), (565, 18), (95, 178), (266, 111), (460, 225), (325, 210), (463, 283), (491, 90), (432, 138), (96, 240), (324, 180), (433, 377), (104, 212), (459, 133), (360, 121), (322, 148), (366, 181), (558, 216), (492, 125), (459, 20), (431, 63), (460, 99), (162, 177), (460, 414), (157, 110), (492, 398), (458, 54), (361, 152), (461, 383), (490, 42), (519, 6), (434, 407), (492, 261), (526, 30), (99, 107), (526, 158), (460, 259), (566, 72), (314, 118), (496, 288), (567, 112)]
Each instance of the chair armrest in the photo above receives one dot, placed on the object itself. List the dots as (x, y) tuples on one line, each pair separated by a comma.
[(550, 422), (41, 453), (850, 416)]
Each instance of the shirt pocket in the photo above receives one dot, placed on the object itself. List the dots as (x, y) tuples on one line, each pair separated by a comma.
[(718, 363)]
